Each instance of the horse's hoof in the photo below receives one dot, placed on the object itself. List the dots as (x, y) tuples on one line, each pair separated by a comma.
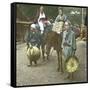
[(47, 58), (58, 69), (61, 71), (43, 58), (29, 65)]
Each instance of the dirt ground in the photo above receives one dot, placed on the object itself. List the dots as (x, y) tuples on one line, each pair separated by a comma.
[(45, 72)]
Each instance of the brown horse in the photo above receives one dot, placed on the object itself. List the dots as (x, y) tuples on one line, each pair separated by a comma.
[(52, 39)]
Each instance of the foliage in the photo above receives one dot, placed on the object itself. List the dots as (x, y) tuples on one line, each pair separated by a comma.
[(30, 12)]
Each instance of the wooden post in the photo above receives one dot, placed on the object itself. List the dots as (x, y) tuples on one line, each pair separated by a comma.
[(82, 23), (82, 16)]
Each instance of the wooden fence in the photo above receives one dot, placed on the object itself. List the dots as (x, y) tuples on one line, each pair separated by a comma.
[(21, 28)]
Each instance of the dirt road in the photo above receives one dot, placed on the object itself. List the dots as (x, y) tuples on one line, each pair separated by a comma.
[(46, 71)]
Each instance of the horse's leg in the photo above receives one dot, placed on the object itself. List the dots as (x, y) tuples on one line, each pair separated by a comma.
[(43, 51), (60, 64), (58, 61), (35, 62), (48, 48)]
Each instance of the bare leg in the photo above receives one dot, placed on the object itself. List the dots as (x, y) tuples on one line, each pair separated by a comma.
[(30, 62), (70, 76)]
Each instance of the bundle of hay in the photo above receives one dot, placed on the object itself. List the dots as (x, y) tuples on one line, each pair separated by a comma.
[(57, 27), (33, 54)]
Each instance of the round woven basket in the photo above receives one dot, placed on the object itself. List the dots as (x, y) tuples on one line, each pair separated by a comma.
[(71, 64)]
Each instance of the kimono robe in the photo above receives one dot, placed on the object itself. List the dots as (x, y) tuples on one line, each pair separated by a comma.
[(68, 43), (61, 18), (40, 22), (34, 38)]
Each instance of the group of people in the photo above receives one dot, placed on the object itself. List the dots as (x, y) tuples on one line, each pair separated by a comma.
[(41, 22), (68, 36)]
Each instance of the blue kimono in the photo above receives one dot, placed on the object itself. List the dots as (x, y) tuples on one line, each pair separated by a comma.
[(68, 43), (61, 18), (34, 38)]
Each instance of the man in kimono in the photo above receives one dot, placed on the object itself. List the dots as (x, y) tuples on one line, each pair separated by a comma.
[(33, 36), (68, 41)]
